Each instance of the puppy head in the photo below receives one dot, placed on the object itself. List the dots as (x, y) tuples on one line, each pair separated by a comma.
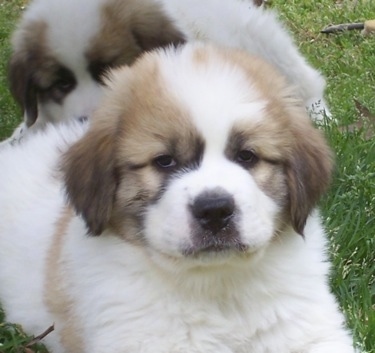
[(61, 49), (198, 152)]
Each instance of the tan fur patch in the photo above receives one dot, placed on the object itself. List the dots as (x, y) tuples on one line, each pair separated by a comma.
[(128, 29), (28, 58), (90, 176), (55, 295)]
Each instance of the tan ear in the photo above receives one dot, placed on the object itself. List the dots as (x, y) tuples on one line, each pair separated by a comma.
[(90, 177), (308, 172), (22, 86), (155, 29), (28, 56)]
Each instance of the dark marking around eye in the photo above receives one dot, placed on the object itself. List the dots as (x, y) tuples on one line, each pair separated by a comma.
[(62, 84), (183, 155), (195, 154), (247, 158), (238, 150)]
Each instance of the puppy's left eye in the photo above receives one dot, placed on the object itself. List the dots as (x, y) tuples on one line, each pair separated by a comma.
[(165, 161), (63, 85), (247, 158)]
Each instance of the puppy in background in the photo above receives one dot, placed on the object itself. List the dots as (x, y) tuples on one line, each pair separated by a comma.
[(182, 221), (61, 49)]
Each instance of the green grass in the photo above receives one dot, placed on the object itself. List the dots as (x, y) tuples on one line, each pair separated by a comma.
[(348, 62), (14, 340), (10, 115)]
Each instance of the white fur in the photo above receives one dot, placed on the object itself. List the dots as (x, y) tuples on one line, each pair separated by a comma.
[(239, 24), (20, 189), (151, 299)]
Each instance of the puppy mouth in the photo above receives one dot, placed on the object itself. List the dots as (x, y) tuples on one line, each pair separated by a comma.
[(214, 246)]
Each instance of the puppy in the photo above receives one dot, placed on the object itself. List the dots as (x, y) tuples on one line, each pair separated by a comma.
[(61, 49), (182, 221)]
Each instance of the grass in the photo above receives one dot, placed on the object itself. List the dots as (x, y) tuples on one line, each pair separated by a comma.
[(347, 60), (9, 113)]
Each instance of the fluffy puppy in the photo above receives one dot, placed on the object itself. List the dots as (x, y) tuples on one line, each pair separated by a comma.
[(62, 48), (182, 221)]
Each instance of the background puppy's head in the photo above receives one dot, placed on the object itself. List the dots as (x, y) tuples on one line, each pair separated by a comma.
[(198, 151), (61, 49)]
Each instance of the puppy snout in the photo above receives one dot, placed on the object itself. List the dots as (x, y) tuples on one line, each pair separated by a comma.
[(213, 210)]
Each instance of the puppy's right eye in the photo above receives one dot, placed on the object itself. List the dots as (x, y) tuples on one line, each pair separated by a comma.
[(165, 161)]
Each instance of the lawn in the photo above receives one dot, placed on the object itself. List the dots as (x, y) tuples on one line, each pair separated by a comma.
[(347, 60)]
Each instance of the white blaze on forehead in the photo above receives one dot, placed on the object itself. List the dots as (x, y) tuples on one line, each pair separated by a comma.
[(215, 92)]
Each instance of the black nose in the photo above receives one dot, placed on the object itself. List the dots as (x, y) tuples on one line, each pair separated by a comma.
[(213, 210)]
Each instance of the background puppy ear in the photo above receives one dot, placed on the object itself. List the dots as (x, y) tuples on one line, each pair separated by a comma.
[(308, 173), (155, 30), (90, 177), (23, 88)]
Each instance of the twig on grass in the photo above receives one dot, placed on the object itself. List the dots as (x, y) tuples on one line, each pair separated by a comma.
[(342, 27), (37, 339), (367, 27)]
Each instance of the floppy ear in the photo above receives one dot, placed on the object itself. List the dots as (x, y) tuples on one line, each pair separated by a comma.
[(155, 30), (308, 172), (22, 87), (90, 177)]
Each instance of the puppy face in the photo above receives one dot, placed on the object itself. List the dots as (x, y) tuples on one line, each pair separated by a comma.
[(61, 50), (200, 153)]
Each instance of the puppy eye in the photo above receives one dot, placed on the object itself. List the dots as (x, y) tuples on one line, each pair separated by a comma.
[(64, 85), (165, 161), (247, 158)]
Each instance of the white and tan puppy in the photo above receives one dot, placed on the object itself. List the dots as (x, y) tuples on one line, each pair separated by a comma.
[(182, 221), (61, 49)]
